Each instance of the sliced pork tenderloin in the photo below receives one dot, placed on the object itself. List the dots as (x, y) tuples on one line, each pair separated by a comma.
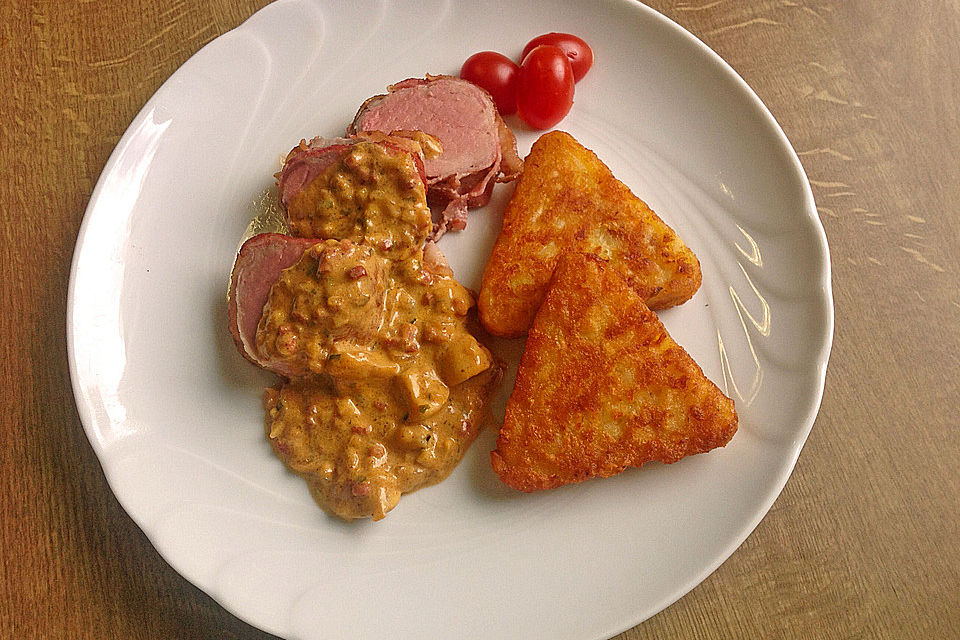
[(258, 266), (478, 148)]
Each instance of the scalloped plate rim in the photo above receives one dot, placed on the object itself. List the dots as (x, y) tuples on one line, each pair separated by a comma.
[(86, 412)]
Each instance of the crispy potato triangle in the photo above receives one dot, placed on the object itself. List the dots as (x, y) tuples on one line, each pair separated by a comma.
[(567, 198), (602, 386)]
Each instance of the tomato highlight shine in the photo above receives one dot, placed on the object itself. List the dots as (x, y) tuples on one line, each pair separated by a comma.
[(578, 51), (497, 74), (545, 87)]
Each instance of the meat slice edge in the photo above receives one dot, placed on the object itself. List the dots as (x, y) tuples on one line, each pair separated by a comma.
[(479, 149), (259, 263), (257, 268), (307, 160)]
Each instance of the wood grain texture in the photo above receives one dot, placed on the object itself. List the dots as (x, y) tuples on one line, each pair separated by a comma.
[(863, 541)]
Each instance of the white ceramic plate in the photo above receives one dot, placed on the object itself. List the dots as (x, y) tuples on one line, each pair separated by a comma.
[(173, 412)]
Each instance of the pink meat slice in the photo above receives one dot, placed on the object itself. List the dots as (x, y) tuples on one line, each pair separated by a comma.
[(308, 160), (305, 162), (258, 266), (478, 147)]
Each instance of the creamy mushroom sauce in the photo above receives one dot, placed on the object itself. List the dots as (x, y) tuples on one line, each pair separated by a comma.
[(372, 194), (388, 385)]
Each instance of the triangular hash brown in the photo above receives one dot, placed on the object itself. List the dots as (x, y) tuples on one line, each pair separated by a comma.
[(567, 198), (602, 386)]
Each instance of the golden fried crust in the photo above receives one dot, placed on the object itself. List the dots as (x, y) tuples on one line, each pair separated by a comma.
[(567, 198), (602, 386)]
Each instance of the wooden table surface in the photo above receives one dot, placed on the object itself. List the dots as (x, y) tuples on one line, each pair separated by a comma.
[(862, 543)]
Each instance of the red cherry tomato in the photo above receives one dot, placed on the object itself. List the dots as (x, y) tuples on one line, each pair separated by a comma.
[(579, 52), (497, 74), (544, 87)]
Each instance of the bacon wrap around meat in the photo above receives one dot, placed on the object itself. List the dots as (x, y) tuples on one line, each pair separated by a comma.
[(479, 149)]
